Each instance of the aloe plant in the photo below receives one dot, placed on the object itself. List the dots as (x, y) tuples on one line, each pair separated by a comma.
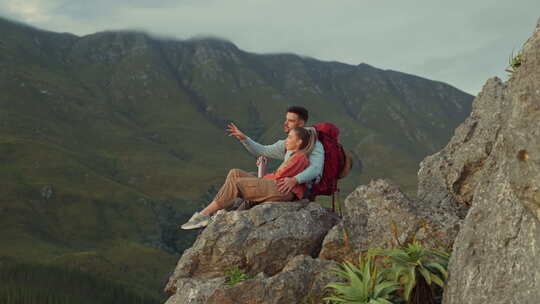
[(417, 268), (366, 284)]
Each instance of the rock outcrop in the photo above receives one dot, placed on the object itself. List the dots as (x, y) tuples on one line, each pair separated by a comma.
[(275, 242), (490, 172), (496, 256)]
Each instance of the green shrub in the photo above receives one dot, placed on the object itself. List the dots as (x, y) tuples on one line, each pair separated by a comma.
[(235, 275)]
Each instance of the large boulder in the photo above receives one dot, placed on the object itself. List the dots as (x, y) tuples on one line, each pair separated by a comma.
[(490, 171), (379, 215), (261, 241)]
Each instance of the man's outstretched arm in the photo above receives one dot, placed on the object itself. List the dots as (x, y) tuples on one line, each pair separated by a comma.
[(277, 150)]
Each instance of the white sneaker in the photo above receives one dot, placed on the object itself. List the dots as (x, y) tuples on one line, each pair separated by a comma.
[(198, 220)]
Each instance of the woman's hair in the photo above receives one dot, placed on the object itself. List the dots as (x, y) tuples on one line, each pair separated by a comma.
[(302, 134), (308, 137)]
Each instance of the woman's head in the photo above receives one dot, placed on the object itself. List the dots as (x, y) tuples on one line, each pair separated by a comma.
[(298, 139)]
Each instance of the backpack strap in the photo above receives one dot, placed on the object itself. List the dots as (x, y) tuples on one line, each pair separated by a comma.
[(340, 211)]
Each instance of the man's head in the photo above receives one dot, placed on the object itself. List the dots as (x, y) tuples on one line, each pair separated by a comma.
[(296, 116)]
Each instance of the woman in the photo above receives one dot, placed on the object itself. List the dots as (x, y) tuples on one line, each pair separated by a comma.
[(299, 143)]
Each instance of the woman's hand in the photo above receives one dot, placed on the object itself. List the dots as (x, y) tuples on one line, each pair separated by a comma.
[(261, 160), (261, 166), (234, 131)]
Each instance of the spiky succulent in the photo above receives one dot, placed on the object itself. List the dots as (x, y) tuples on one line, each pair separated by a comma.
[(366, 284), (414, 259)]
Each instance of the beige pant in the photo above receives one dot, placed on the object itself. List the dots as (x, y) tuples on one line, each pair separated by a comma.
[(241, 184)]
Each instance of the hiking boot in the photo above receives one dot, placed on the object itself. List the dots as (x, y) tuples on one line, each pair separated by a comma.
[(198, 220)]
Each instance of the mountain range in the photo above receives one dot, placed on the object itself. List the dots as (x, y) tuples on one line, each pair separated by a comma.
[(109, 140)]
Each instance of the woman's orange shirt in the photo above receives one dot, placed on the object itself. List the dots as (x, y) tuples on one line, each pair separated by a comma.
[(295, 165)]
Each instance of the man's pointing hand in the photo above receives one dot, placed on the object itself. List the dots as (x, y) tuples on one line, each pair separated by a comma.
[(234, 131)]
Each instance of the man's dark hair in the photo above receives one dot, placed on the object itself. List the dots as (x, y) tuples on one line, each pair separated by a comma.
[(300, 111)]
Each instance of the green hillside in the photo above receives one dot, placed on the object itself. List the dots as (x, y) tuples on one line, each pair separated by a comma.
[(110, 140), (49, 284)]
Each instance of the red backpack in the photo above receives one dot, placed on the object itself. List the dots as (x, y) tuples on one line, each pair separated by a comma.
[(337, 162)]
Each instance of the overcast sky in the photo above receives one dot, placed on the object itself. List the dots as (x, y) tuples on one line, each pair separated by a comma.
[(460, 42)]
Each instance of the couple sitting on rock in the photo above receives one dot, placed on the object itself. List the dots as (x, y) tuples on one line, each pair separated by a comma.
[(303, 159)]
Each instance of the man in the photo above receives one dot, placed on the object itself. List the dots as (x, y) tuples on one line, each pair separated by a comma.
[(295, 116)]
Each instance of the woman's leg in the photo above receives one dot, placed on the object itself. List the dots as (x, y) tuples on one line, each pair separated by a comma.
[(249, 188), (261, 190), (228, 192)]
